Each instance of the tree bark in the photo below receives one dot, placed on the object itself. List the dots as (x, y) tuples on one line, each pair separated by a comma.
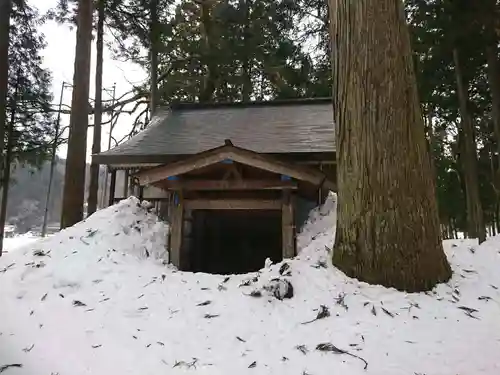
[(74, 178), (96, 146), (388, 229), (154, 39), (475, 220), (247, 79), (5, 10), (211, 77), (7, 162), (489, 16)]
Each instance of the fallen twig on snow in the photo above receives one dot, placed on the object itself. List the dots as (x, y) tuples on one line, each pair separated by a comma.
[(5, 367), (3, 270), (253, 364), (302, 348), (341, 301), (255, 293), (29, 349), (469, 311), (40, 253), (388, 312), (322, 313), (210, 316), (187, 364), (204, 303), (328, 347)]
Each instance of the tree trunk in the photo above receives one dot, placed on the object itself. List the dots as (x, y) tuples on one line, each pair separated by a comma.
[(154, 39), (74, 178), (210, 81), (475, 220), (388, 228), (96, 146), (6, 166), (489, 15), (5, 9), (247, 79), (53, 161)]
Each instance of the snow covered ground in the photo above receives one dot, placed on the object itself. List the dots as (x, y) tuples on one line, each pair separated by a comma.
[(13, 243), (97, 299)]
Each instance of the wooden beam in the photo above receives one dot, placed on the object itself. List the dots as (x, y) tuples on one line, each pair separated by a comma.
[(238, 155), (112, 188), (198, 161), (125, 183), (176, 231), (227, 185), (288, 226), (233, 204)]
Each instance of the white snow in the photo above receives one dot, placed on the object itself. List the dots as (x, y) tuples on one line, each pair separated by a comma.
[(141, 316), (13, 243)]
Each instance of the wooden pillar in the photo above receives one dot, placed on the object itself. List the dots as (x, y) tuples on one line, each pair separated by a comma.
[(287, 225), (112, 187), (141, 193), (176, 223), (125, 183)]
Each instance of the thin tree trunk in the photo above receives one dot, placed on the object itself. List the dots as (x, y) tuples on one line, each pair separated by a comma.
[(209, 84), (6, 166), (53, 160), (154, 39), (74, 178), (96, 146), (5, 10), (475, 220), (388, 227), (247, 79)]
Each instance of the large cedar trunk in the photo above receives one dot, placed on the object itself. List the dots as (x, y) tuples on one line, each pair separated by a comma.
[(475, 221), (5, 9), (96, 145), (489, 15), (388, 229), (74, 178)]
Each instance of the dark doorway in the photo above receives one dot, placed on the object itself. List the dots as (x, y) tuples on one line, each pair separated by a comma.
[(234, 241)]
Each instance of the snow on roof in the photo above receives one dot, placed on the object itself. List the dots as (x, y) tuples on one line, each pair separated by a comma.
[(89, 300)]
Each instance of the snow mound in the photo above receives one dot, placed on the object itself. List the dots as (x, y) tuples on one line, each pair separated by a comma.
[(97, 299)]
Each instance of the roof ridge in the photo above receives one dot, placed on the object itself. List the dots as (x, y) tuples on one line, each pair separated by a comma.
[(251, 104)]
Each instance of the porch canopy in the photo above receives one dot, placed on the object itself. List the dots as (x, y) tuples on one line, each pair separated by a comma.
[(232, 168)]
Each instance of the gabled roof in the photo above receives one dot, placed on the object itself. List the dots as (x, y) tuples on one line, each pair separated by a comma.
[(239, 155), (293, 126)]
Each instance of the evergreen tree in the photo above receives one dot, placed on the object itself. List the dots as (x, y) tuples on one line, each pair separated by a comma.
[(28, 111)]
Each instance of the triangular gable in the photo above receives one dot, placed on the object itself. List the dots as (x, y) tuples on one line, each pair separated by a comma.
[(239, 155)]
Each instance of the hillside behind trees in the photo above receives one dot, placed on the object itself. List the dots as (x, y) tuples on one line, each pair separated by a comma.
[(28, 194)]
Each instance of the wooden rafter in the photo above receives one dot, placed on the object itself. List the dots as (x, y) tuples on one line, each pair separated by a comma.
[(203, 185), (232, 204), (239, 155)]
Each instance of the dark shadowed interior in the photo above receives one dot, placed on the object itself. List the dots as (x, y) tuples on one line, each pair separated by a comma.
[(234, 241)]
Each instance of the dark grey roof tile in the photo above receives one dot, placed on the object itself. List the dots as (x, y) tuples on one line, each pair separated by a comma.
[(302, 126)]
